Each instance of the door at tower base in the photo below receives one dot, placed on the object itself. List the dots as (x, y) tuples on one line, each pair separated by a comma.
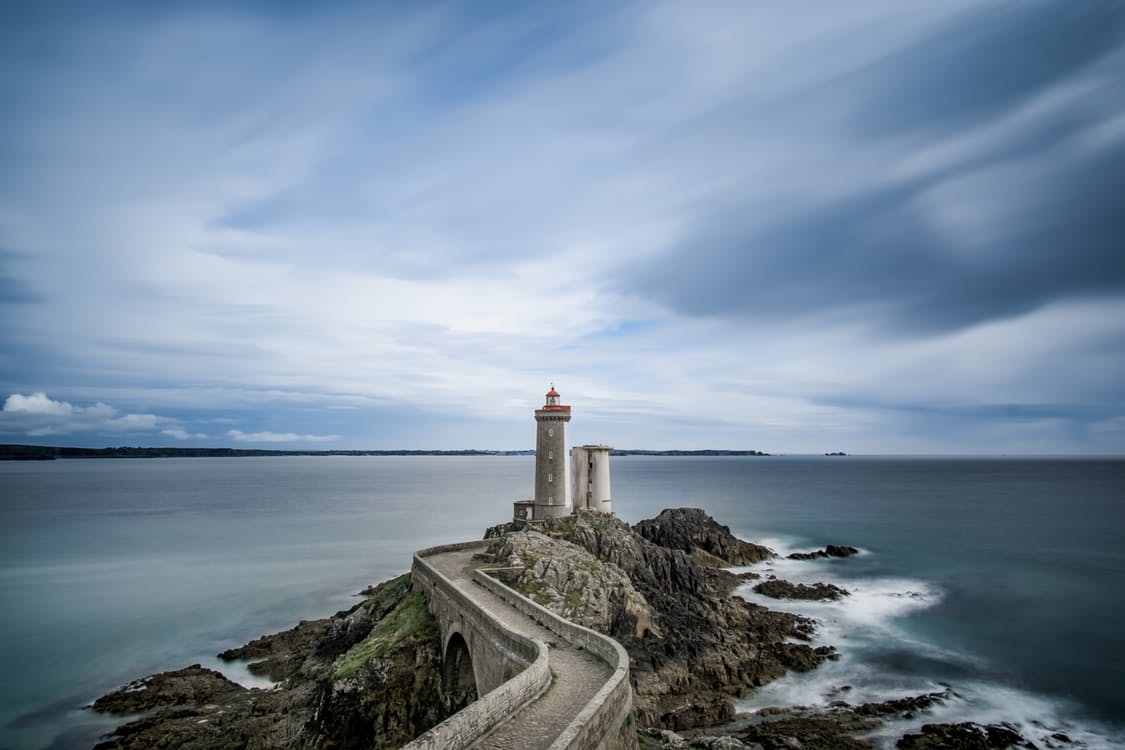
[(591, 489)]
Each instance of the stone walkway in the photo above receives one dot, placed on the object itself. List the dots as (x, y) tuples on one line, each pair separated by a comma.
[(578, 674)]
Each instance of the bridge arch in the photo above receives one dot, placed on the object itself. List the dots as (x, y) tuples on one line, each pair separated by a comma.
[(458, 673), (508, 657)]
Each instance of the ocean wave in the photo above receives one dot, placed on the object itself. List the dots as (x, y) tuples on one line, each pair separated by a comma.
[(1049, 723), (238, 671), (856, 681), (871, 605), (782, 545), (881, 659)]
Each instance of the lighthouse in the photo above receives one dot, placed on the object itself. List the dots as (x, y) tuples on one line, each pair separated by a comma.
[(591, 470), (551, 499)]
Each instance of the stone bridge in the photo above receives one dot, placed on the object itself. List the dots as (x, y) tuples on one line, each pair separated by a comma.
[(543, 682)]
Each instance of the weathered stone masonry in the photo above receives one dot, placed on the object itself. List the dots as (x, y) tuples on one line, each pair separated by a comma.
[(511, 670), (604, 723)]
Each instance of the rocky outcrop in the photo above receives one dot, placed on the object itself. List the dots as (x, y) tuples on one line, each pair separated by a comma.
[(840, 725), (190, 685), (964, 736), (832, 550), (692, 648), (279, 656), (692, 531), (199, 708), (368, 677), (777, 588), (574, 584), (665, 739)]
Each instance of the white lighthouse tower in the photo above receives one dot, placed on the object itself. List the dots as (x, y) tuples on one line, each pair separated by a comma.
[(591, 477)]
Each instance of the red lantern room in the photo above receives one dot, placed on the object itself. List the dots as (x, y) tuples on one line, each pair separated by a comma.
[(553, 401)]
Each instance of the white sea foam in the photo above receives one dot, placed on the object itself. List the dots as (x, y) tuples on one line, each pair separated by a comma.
[(782, 545), (1037, 718), (237, 671), (866, 616), (850, 679), (846, 679), (870, 609), (867, 621)]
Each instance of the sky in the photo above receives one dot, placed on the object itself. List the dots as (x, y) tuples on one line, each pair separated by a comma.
[(874, 226)]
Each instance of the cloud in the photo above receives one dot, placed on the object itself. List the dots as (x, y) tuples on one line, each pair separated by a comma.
[(750, 223), (184, 434), (37, 403), (38, 415), (981, 63), (1012, 206), (279, 437), (13, 290)]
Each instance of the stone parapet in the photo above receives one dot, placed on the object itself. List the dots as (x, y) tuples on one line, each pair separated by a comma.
[(470, 723), (605, 722)]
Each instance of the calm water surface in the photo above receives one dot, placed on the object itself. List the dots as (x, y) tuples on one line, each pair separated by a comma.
[(998, 577)]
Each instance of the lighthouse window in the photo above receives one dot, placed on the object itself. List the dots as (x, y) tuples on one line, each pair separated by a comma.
[(550, 477), (550, 454), (550, 499), (550, 432)]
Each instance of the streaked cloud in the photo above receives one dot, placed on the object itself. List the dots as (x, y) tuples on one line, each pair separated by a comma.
[(279, 437), (884, 228), (179, 434)]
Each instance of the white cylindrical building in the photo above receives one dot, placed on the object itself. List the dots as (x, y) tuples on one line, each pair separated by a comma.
[(591, 477)]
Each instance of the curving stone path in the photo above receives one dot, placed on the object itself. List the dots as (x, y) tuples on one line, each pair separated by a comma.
[(578, 675)]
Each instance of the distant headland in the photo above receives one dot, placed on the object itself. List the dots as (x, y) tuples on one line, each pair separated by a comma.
[(48, 452)]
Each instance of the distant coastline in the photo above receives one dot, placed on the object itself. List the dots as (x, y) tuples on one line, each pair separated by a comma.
[(49, 453)]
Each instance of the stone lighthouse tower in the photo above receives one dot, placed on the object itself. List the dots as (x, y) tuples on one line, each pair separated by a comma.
[(591, 470), (550, 458)]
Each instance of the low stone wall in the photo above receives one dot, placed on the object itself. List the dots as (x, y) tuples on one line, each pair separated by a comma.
[(467, 725), (605, 722), (458, 547)]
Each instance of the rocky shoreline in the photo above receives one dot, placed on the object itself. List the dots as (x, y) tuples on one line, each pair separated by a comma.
[(370, 676)]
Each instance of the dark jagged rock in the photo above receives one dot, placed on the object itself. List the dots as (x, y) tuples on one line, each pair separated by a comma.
[(964, 736), (832, 550), (812, 733), (776, 588), (903, 707), (368, 677), (725, 582), (664, 739), (698, 648), (692, 531), (188, 686), (208, 715), (279, 656), (840, 725)]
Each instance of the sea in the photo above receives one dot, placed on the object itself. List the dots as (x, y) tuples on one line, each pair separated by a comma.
[(1001, 580)]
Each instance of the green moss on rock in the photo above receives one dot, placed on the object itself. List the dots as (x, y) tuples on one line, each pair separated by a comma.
[(409, 620)]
